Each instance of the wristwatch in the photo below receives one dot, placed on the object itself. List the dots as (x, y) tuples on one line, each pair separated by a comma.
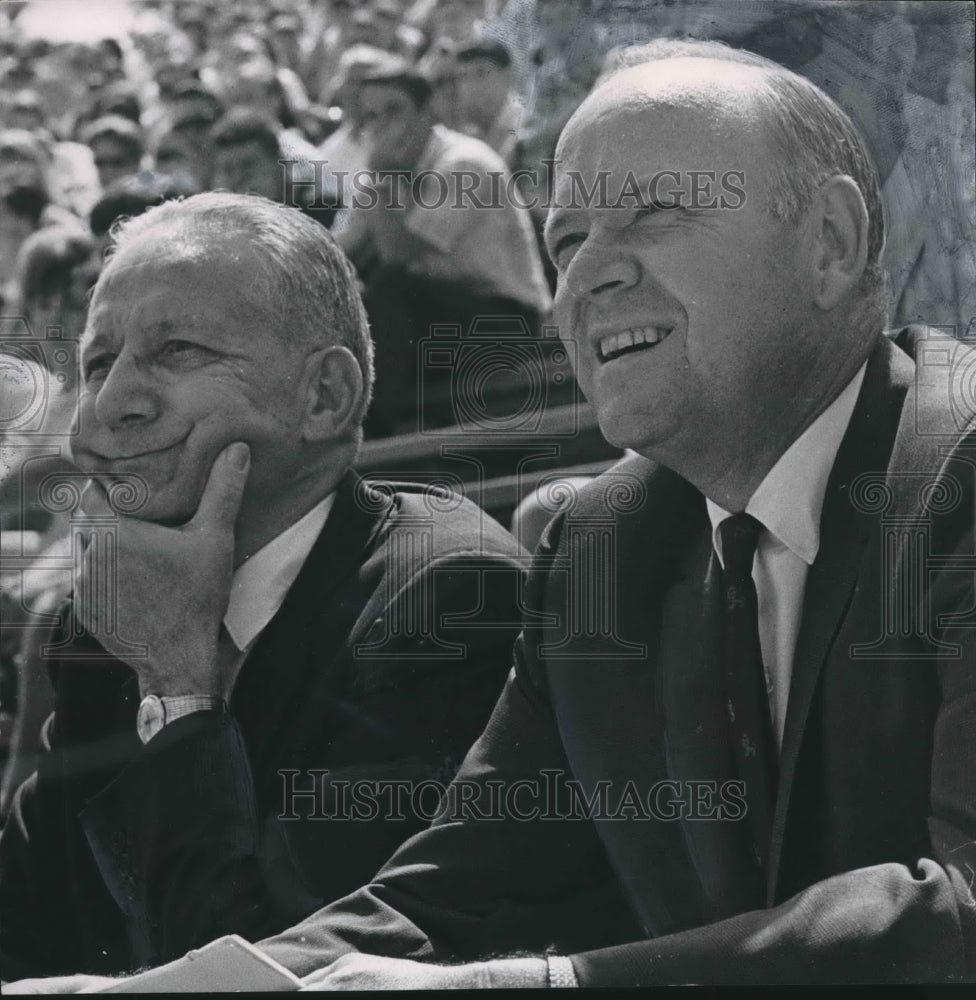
[(156, 712), (561, 971)]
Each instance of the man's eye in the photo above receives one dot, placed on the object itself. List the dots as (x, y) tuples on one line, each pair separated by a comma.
[(98, 367), (179, 350), (561, 255), (658, 208)]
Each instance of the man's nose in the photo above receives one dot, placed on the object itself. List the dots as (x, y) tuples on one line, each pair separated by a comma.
[(600, 266), (127, 397)]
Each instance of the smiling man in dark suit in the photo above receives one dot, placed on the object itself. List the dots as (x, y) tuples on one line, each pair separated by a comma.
[(742, 716), (279, 634), (781, 710)]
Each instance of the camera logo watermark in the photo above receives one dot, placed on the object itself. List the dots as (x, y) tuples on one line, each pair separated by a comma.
[(498, 379), (36, 371)]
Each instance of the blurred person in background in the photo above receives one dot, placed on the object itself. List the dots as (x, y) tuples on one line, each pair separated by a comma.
[(346, 149), (92, 67), (72, 178), (178, 155), (193, 100), (165, 80), (131, 196), (26, 532), (365, 28), (486, 101), (285, 41), (184, 139), (194, 20), (257, 85), (436, 255), (387, 18), (25, 203), (117, 146), (55, 272), (247, 154), (249, 160), (329, 22), (932, 191), (119, 98), (25, 111), (454, 19), (111, 59)]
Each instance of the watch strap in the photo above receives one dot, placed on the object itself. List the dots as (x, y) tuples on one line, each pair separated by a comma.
[(156, 712), (561, 971)]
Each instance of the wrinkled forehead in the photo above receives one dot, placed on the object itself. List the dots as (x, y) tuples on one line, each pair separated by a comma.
[(209, 272), (668, 107)]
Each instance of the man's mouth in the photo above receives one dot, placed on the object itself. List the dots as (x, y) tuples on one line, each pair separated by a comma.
[(638, 338), (113, 460), (106, 463)]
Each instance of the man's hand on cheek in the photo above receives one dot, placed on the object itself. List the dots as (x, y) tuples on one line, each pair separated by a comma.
[(169, 587)]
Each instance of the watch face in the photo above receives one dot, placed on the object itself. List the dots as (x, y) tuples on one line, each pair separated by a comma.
[(151, 717)]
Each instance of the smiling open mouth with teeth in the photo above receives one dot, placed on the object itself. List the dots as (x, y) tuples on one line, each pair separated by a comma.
[(635, 339)]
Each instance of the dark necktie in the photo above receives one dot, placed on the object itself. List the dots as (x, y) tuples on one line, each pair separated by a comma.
[(753, 745)]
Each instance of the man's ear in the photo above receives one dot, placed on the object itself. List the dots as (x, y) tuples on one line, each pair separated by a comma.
[(841, 240), (335, 395)]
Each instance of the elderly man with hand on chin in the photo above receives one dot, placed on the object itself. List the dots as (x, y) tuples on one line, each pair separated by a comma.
[(257, 627)]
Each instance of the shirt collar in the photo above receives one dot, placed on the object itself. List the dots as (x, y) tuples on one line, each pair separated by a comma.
[(259, 585), (789, 501)]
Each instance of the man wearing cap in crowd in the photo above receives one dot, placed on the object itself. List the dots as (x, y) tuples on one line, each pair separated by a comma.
[(488, 107)]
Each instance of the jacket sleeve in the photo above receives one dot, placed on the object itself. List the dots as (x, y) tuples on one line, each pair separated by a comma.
[(53, 907), (502, 867), (195, 838), (468, 888), (493, 874)]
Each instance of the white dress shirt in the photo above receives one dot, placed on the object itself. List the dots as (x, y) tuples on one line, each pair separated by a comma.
[(788, 503), (260, 584)]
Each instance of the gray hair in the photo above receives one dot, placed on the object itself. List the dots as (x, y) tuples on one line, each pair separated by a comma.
[(306, 280), (814, 140)]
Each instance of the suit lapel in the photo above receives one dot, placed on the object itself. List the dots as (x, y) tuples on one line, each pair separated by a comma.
[(308, 628), (844, 534)]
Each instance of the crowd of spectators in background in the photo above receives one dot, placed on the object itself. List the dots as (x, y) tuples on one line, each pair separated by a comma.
[(197, 95), (291, 98)]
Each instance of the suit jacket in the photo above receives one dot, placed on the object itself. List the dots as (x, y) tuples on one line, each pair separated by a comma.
[(382, 665), (617, 687)]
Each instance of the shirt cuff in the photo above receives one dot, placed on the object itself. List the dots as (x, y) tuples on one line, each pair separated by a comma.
[(517, 973)]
